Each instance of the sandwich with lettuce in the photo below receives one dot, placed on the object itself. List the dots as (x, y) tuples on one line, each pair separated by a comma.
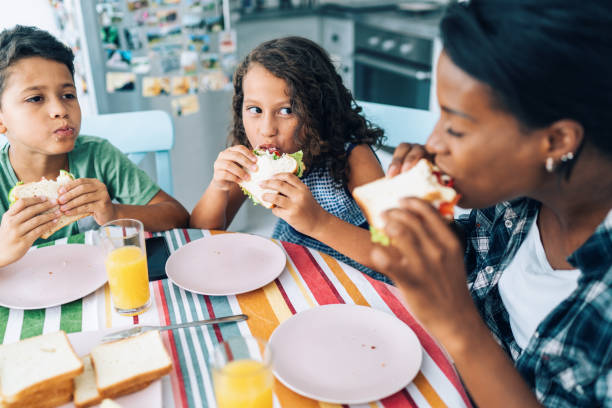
[(424, 181), (49, 189), (270, 161)]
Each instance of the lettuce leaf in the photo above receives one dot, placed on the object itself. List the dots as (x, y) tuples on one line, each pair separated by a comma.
[(11, 193), (298, 156), (247, 193), (378, 236)]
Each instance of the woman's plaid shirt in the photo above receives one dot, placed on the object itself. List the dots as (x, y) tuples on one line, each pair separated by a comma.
[(568, 360)]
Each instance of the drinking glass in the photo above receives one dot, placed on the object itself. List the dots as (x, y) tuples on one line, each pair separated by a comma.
[(242, 373), (126, 265)]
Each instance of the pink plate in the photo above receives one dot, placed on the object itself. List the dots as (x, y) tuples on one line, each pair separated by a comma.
[(345, 354), (226, 264), (150, 397), (52, 276)]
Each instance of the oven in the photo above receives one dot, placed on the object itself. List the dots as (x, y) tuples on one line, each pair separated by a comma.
[(392, 68)]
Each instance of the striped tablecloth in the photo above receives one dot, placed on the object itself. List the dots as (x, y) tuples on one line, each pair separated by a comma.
[(309, 279)]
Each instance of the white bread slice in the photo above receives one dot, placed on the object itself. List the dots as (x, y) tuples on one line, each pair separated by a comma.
[(109, 403), (50, 396), (47, 188), (85, 389), (129, 362), (36, 364), (383, 194), (267, 167)]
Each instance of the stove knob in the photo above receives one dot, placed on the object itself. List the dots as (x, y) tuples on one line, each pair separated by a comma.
[(406, 48), (387, 45), (373, 41)]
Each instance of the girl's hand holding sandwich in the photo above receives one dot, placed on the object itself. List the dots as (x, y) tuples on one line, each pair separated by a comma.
[(425, 261), (24, 222), (405, 156), (87, 196), (229, 168), (294, 203)]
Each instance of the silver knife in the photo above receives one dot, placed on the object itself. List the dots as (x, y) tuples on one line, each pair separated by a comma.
[(141, 329)]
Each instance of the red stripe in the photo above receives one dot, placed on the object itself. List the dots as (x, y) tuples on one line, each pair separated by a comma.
[(186, 235), (285, 297), (135, 319), (211, 313), (324, 292), (177, 377), (400, 399), (426, 340)]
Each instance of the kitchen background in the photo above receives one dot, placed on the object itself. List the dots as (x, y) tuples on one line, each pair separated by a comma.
[(179, 55)]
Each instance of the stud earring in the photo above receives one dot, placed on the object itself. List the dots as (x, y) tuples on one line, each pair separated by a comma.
[(550, 165), (567, 157)]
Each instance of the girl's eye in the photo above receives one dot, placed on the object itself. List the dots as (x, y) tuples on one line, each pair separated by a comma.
[(254, 109), (286, 111), (454, 133), (34, 99)]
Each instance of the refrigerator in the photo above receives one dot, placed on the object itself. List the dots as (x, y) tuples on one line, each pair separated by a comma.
[(172, 55)]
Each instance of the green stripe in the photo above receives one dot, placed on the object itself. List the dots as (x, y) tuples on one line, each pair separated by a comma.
[(71, 319), (4, 314), (76, 239), (173, 242), (179, 347), (33, 321), (46, 244), (195, 234)]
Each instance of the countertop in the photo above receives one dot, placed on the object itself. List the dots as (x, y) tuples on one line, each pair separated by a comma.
[(425, 25)]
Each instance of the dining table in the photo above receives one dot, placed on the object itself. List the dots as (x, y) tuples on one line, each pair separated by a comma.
[(309, 279)]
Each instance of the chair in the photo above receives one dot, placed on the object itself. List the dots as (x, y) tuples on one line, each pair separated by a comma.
[(400, 124), (136, 134)]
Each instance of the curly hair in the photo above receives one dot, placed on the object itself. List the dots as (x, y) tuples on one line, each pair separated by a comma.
[(326, 109), (23, 42)]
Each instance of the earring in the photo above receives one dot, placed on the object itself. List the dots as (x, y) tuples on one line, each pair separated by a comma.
[(567, 157), (550, 165)]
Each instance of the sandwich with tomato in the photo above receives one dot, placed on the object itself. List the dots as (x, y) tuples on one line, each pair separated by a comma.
[(49, 189), (424, 181), (270, 161)]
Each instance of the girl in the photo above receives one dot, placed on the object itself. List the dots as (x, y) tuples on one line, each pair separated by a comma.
[(524, 89), (288, 94)]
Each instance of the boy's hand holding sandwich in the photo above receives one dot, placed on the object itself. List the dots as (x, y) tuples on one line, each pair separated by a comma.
[(87, 196), (23, 223)]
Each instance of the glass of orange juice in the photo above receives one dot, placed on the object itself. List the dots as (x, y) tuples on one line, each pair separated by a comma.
[(126, 265), (242, 373)]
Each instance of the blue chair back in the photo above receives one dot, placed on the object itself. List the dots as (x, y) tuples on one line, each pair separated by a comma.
[(400, 124), (136, 134)]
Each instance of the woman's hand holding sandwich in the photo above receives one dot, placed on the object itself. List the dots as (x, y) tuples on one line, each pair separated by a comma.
[(426, 263), (24, 222), (405, 156), (87, 196), (294, 203)]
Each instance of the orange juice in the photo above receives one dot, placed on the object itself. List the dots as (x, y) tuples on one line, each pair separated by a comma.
[(128, 277), (243, 384)]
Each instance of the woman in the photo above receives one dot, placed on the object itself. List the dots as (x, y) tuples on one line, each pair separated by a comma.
[(525, 92)]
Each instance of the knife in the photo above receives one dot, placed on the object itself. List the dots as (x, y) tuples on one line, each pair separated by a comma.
[(133, 331)]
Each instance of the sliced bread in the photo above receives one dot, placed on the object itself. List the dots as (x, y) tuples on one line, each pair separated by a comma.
[(127, 363), (85, 389), (47, 397), (36, 364)]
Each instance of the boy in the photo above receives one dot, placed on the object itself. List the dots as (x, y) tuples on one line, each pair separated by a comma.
[(41, 118)]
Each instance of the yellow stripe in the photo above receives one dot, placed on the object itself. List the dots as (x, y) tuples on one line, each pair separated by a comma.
[(277, 302), (373, 405), (328, 405), (107, 306), (428, 392), (348, 284)]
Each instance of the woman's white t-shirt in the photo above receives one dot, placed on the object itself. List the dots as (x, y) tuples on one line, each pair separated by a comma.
[(530, 289)]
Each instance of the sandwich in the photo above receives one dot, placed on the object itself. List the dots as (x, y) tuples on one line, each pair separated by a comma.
[(270, 161), (424, 181), (49, 189), (38, 372)]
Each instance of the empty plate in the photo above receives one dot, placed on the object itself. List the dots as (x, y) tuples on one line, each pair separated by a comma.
[(345, 354), (226, 264), (52, 276)]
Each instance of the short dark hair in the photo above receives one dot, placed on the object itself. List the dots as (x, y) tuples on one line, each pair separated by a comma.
[(545, 60), (326, 108), (23, 42)]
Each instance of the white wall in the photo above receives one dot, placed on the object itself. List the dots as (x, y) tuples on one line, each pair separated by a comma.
[(27, 12)]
